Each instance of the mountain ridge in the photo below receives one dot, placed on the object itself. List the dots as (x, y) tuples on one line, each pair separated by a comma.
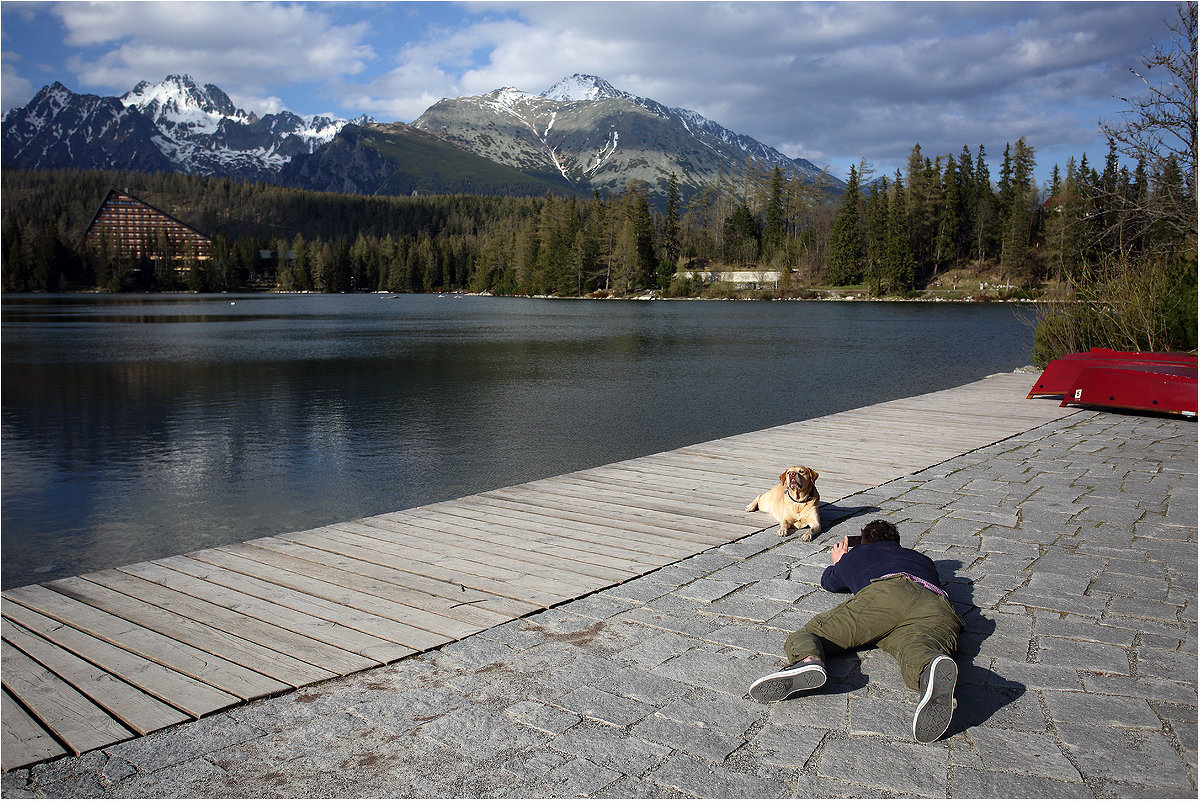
[(581, 134), (576, 127), (174, 125)]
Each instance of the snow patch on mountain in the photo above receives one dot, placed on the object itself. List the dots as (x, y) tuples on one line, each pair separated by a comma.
[(610, 147), (174, 124), (202, 130), (178, 104), (584, 88), (579, 87)]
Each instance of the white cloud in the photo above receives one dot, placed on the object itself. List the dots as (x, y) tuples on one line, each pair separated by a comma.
[(245, 48), (852, 79), (15, 90), (830, 81)]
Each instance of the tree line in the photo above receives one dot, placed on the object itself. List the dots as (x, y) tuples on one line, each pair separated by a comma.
[(1126, 242), (890, 234)]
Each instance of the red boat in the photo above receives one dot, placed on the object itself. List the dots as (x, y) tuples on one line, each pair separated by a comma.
[(1143, 381), (1136, 355)]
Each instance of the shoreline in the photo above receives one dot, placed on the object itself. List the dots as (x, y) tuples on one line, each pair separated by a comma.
[(825, 296)]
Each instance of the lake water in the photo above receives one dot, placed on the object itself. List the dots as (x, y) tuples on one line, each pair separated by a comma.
[(137, 427)]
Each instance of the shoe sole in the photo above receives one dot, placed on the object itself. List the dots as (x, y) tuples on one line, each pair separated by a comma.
[(937, 705), (778, 686)]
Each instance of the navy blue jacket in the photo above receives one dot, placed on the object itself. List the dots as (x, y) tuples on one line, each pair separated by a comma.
[(868, 561)]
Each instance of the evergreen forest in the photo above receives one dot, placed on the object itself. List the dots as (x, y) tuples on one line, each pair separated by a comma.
[(891, 235)]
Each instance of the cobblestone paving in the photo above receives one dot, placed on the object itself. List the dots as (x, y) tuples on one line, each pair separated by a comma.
[(1070, 550)]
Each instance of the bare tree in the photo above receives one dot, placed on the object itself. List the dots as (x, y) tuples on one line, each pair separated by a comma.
[(1160, 126)]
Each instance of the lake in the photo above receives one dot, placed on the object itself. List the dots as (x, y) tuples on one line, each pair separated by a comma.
[(142, 426)]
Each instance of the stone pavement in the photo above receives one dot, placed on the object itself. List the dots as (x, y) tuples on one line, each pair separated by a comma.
[(1070, 550)]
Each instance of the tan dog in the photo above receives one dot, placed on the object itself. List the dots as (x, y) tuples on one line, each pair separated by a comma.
[(794, 502)]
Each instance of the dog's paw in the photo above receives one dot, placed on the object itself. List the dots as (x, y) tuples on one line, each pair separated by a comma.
[(806, 536), (752, 506)]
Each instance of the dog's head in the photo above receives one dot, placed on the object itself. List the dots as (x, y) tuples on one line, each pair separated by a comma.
[(798, 480)]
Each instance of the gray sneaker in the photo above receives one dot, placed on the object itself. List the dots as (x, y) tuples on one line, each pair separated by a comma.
[(937, 700), (779, 685)]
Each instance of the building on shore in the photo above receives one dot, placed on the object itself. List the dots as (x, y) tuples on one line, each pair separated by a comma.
[(740, 279), (128, 227)]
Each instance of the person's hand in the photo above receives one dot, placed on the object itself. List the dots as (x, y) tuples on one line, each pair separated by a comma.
[(839, 550)]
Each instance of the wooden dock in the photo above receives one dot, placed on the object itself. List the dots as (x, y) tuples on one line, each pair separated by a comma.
[(96, 659)]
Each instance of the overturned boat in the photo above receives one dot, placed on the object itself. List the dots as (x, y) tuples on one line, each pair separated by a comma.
[(1134, 380)]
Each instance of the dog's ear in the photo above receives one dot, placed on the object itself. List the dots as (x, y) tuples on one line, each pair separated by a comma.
[(783, 478), (813, 475)]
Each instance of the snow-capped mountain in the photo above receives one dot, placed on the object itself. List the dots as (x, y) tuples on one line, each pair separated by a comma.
[(583, 87), (589, 87), (597, 136), (579, 135), (193, 129), (60, 129)]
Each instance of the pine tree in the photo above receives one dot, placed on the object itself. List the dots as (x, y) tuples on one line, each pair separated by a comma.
[(845, 264), (1020, 194), (741, 237), (985, 209), (945, 246), (671, 242), (878, 211), (774, 217), (900, 266)]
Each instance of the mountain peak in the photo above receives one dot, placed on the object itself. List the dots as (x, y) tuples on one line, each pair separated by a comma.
[(582, 87), (178, 100)]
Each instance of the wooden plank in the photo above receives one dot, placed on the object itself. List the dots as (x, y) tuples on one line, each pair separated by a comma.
[(737, 467), (647, 501), (433, 595), (692, 528), (440, 614), (550, 526), (657, 491), (235, 649), (314, 652), (443, 539), (140, 712), (410, 542), (314, 628), (75, 720), (397, 639), (690, 531), (400, 571), (23, 740), (722, 486), (647, 496), (730, 503), (583, 531), (422, 638), (180, 691), (221, 673), (495, 536), (764, 463), (652, 539), (381, 535), (456, 535), (777, 451)]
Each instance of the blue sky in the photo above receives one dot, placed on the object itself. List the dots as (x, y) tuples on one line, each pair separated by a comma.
[(833, 82)]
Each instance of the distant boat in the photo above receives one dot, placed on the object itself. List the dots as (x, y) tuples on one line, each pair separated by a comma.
[(1136, 380)]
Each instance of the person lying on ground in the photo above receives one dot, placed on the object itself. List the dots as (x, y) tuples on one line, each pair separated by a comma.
[(899, 605)]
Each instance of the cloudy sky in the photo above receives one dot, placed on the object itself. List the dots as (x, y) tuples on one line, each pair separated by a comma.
[(833, 82)]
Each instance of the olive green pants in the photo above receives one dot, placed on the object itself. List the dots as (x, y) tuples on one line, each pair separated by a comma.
[(908, 621)]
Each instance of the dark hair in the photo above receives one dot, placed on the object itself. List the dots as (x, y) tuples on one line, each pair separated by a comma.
[(880, 531)]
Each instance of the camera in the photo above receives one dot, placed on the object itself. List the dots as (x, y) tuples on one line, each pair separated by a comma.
[(853, 539)]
